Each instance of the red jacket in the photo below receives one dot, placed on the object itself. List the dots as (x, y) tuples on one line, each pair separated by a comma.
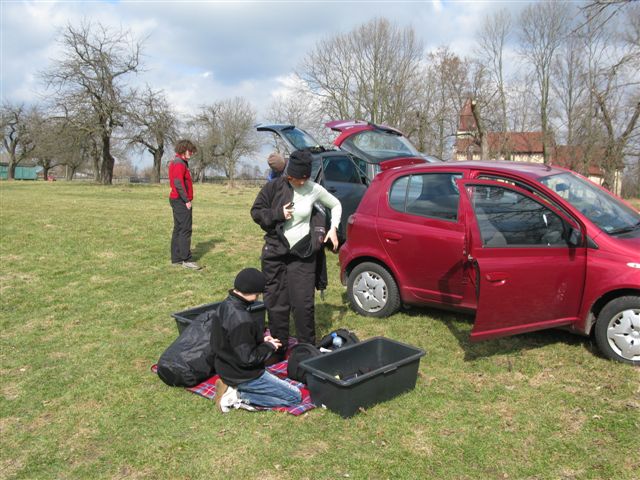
[(180, 180)]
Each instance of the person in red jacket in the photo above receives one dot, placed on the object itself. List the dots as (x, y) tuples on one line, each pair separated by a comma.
[(180, 199)]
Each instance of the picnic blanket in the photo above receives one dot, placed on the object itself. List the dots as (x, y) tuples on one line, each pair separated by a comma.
[(207, 389)]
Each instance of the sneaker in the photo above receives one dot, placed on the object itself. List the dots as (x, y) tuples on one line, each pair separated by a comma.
[(226, 396), (191, 265), (221, 389), (176, 264)]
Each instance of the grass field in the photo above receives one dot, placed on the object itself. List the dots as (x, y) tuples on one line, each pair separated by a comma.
[(87, 289)]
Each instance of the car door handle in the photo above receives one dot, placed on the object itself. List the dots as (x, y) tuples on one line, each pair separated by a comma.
[(392, 237), (332, 189), (496, 277)]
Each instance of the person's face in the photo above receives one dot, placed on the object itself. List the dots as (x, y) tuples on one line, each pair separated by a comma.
[(188, 154), (297, 182)]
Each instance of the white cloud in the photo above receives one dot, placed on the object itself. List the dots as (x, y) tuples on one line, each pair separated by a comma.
[(202, 52)]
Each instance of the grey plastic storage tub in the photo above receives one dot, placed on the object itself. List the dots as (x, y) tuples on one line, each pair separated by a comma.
[(361, 375), (184, 318)]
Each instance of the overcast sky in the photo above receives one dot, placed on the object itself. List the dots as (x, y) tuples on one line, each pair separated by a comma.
[(199, 52)]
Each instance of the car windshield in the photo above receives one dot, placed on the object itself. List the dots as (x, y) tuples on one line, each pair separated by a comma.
[(380, 145), (602, 208), (299, 138)]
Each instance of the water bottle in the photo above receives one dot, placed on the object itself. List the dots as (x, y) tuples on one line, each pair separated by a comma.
[(336, 340)]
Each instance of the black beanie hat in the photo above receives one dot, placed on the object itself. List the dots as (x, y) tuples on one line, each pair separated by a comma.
[(250, 280), (299, 165)]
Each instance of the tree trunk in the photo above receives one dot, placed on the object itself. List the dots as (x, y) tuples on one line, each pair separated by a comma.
[(45, 173), (484, 142), (106, 171), (11, 174), (157, 164), (71, 171)]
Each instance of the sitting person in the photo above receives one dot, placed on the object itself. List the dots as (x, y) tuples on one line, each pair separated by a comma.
[(240, 350)]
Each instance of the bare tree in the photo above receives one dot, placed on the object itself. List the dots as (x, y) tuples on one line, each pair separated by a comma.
[(370, 73), (90, 77), (15, 135), (608, 127), (225, 133), (492, 38), (153, 125), (543, 27), (236, 134), (204, 130), (48, 134), (448, 87), (296, 107), (82, 148), (570, 86)]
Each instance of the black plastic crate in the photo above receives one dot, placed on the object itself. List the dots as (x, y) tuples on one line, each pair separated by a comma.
[(184, 318), (361, 375)]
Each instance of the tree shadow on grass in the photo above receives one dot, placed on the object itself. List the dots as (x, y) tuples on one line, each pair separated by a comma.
[(204, 247), (325, 313)]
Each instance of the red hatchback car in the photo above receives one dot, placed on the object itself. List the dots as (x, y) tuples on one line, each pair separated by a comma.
[(525, 246)]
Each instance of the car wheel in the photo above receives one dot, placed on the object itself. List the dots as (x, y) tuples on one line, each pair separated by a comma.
[(618, 330), (372, 291)]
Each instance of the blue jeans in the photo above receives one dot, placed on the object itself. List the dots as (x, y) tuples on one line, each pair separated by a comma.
[(269, 391)]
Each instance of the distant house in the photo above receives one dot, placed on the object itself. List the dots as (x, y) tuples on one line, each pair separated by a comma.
[(24, 171), (524, 147)]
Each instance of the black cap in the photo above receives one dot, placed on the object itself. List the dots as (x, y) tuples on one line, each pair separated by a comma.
[(299, 165), (250, 280)]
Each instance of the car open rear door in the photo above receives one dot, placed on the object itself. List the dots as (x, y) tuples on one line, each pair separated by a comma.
[(529, 256)]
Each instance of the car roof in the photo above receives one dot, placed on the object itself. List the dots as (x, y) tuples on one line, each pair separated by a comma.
[(531, 170)]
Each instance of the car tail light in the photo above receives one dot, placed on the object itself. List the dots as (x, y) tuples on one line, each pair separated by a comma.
[(350, 222)]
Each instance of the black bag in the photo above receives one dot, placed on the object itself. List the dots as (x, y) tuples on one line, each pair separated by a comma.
[(313, 242), (300, 352), (189, 361), (348, 338)]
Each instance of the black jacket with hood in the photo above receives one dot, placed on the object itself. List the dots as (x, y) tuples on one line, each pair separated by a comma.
[(267, 212), (237, 342)]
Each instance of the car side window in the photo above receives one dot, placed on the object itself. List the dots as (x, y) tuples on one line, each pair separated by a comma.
[(341, 169), (507, 218), (398, 194), (433, 195)]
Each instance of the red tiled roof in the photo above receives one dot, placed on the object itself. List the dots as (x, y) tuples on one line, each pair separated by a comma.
[(514, 142), (573, 157)]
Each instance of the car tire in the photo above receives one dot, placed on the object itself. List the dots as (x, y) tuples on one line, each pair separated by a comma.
[(617, 330), (372, 291)]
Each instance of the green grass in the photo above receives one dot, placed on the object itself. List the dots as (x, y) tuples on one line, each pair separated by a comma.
[(87, 290)]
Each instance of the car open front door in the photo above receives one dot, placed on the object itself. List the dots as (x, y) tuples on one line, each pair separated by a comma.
[(530, 259)]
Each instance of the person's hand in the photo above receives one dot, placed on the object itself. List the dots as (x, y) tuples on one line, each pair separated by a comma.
[(288, 211), (332, 235), (273, 341), (188, 204)]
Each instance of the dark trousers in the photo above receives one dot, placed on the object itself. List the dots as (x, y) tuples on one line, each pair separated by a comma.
[(291, 289), (181, 238)]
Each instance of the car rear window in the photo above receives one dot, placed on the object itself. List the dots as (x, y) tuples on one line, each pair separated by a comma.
[(433, 195)]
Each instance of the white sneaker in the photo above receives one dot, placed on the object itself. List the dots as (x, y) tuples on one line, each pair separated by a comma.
[(229, 400), (191, 265)]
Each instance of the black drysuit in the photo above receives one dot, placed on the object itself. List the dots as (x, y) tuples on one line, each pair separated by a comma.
[(291, 278)]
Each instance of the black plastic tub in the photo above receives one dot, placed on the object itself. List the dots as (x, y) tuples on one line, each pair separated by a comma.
[(361, 375), (184, 318)]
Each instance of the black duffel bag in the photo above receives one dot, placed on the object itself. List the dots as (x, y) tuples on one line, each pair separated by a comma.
[(299, 353), (189, 361)]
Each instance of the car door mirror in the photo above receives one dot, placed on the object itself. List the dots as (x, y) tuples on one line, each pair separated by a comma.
[(575, 237)]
